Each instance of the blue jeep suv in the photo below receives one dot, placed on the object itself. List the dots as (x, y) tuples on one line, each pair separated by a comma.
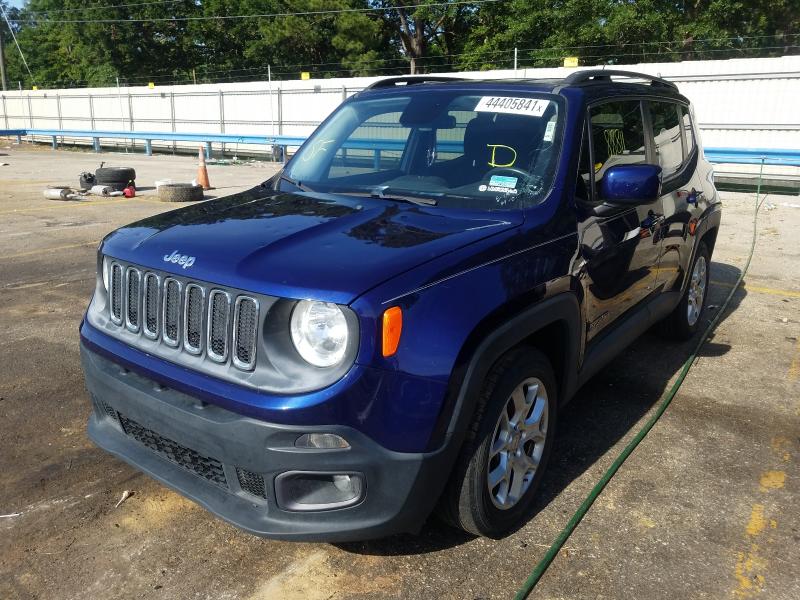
[(391, 324)]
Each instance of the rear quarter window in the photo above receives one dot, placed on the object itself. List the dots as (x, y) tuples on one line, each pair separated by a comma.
[(667, 136)]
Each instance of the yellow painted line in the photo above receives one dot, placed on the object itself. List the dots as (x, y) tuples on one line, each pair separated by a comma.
[(49, 250), (74, 203), (757, 522), (750, 565), (772, 480), (760, 289), (750, 580), (62, 204), (794, 368), (780, 447)]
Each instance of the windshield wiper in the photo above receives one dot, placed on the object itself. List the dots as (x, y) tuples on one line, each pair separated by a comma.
[(298, 184), (380, 193)]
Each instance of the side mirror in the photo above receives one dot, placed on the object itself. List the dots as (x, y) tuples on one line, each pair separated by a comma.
[(631, 184)]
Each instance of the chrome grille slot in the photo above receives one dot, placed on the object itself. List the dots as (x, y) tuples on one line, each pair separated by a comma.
[(219, 309), (171, 312), (115, 293), (245, 323), (193, 318), (133, 280), (152, 291), (191, 323)]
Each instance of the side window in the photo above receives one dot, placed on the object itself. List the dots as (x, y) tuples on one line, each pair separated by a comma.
[(357, 155), (583, 181), (667, 136), (687, 128), (617, 135)]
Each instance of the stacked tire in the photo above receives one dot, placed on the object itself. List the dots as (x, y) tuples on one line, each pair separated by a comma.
[(180, 192), (117, 178)]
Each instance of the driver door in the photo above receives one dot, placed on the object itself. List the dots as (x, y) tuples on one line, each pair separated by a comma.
[(619, 247)]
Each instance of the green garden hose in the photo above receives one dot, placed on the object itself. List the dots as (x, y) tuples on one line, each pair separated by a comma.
[(552, 552)]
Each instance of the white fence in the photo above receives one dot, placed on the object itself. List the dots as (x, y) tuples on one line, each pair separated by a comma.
[(740, 103)]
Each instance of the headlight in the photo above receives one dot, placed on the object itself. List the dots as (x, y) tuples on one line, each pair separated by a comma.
[(319, 332), (105, 273)]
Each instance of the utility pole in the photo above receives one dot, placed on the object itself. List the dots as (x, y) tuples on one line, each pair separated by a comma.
[(2, 63)]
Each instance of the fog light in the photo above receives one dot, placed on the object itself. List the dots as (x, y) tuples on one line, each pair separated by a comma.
[(327, 441), (318, 491)]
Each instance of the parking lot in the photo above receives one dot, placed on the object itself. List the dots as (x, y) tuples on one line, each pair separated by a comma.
[(706, 507)]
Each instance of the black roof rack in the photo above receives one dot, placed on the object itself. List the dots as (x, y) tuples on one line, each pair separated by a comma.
[(605, 75), (410, 80)]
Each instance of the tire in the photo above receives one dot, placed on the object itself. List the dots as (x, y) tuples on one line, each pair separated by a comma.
[(115, 175), (469, 501), (682, 324), (180, 192)]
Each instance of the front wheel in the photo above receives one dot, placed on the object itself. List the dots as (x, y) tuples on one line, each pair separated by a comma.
[(501, 465), (685, 320)]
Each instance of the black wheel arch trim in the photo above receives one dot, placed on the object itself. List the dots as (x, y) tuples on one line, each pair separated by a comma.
[(709, 220), (457, 414)]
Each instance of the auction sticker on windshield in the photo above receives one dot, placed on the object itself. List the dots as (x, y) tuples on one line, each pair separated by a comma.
[(531, 107)]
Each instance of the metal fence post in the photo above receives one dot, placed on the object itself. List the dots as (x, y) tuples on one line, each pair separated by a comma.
[(280, 111), (222, 117), (58, 108), (344, 93), (130, 120), (172, 118), (30, 111), (130, 112), (221, 111), (5, 112), (91, 111)]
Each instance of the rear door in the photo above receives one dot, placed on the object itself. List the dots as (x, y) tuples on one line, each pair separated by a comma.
[(619, 250), (669, 125)]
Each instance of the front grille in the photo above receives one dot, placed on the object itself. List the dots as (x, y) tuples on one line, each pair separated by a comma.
[(152, 285), (115, 293), (252, 483), (204, 466), (219, 308), (176, 313), (245, 319), (132, 278), (193, 319), (172, 311)]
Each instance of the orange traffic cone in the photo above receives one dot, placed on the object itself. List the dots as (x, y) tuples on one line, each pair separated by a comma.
[(202, 172)]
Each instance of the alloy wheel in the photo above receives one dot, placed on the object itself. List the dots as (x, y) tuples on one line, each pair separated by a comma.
[(518, 442)]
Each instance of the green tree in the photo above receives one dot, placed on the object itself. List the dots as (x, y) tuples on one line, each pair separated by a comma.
[(424, 29), (161, 41)]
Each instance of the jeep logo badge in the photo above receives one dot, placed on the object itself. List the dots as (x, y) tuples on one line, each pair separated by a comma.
[(179, 259)]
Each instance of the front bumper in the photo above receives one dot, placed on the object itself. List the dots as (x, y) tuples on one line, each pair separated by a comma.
[(219, 459)]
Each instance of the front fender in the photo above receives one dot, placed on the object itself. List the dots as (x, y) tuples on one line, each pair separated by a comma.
[(466, 384)]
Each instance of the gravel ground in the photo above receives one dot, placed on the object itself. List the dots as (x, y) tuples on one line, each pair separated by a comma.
[(705, 508)]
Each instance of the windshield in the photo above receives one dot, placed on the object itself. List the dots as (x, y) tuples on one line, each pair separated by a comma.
[(452, 149)]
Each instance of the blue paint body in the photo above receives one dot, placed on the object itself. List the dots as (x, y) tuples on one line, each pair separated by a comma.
[(454, 273)]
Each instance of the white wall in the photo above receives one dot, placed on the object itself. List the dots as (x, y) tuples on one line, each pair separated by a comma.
[(741, 103)]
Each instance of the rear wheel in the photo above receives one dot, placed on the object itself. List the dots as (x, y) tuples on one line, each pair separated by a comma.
[(685, 320), (493, 485)]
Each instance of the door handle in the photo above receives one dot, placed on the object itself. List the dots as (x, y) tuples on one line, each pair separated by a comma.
[(694, 197)]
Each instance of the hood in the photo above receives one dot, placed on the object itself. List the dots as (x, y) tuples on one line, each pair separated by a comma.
[(302, 245)]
